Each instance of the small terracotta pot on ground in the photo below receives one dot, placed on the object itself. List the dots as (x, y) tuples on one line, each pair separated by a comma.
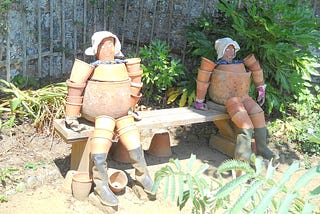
[(81, 71), (118, 180), (207, 65), (81, 185), (160, 145)]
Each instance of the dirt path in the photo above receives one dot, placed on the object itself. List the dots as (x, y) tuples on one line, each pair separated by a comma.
[(42, 163)]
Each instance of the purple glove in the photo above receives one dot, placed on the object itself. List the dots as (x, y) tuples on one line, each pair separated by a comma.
[(262, 94), (200, 106)]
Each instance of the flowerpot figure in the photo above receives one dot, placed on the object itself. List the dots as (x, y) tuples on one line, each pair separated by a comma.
[(229, 86), (107, 99)]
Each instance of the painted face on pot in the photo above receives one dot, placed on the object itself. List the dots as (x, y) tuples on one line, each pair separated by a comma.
[(106, 49), (229, 53)]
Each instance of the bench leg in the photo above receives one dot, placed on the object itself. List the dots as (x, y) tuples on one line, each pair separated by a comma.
[(80, 156), (225, 140)]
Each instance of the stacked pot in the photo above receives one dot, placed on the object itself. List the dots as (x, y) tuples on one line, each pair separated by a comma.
[(203, 77), (80, 73), (254, 66), (135, 73)]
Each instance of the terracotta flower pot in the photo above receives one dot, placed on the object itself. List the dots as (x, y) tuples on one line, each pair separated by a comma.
[(100, 145), (75, 89), (110, 72), (257, 77), (135, 99), (160, 145), (81, 71), (136, 76), (118, 180), (75, 99), (129, 136), (207, 65), (202, 88), (249, 60), (73, 109), (239, 68), (135, 88), (124, 121), (258, 120), (133, 64), (203, 75), (81, 185), (104, 122), (120, 153), (106, 98), (103, 133)]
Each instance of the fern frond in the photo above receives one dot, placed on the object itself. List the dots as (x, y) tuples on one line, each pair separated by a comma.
[(245, 197), (191, 162), (232, 185), (232, 164), (305, 178), (288, 173), (266, 200), (285, 205)]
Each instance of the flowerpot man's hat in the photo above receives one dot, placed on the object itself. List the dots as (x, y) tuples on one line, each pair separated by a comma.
[(222, 44), (97, 38)]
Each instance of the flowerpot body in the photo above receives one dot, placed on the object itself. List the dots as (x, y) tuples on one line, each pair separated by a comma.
[(136, 76), (81, 185), (135, 88), (255, 66), (202, 89), (106, 98), (75, 89), (100, 145), (133, 64), (75, 99), (66, 186), (160, 145), (249, 60), (226, 84), (203, 76), (104, 122), (120, 153), (81, 71), (207, 65), (258, 120), (129, 136), (73, 109), (118, 180), (124, 121), (110, 72), (135, 99)]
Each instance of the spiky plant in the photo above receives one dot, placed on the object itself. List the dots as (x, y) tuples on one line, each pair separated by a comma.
[(255, 191), (41, 106)]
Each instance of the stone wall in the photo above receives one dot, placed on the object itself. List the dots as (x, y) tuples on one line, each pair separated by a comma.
[(44, 36)]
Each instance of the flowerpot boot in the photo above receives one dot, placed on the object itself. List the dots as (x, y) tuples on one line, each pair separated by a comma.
[(141, 171), (100, 178), (243, 149), (260, 135)]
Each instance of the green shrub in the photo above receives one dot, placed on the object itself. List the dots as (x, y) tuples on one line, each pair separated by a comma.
[(255, 191), (279, 33), (160, 70)]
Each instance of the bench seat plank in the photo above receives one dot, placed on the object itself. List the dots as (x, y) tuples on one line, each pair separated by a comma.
[(154, 119)]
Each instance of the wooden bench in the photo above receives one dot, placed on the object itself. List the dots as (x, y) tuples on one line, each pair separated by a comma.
[(153, 120)]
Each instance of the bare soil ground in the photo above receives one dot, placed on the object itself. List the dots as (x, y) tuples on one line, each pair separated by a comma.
[(42, 161)]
